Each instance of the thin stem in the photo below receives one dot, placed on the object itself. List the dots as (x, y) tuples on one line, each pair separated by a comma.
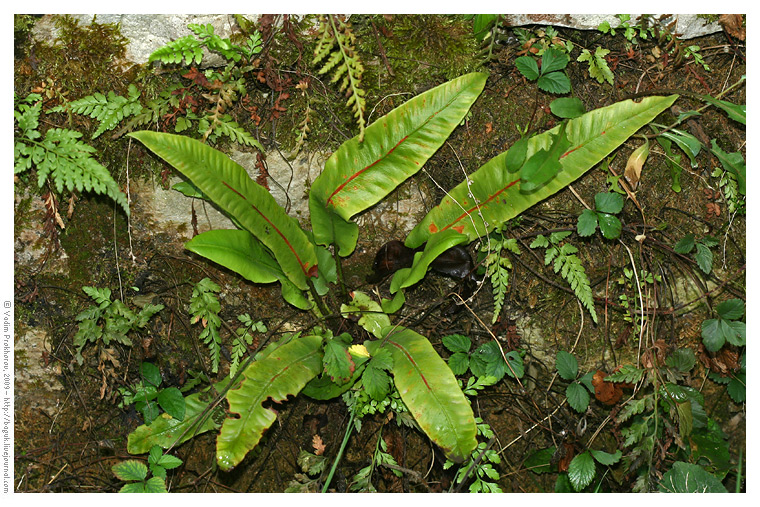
[(340, 452)]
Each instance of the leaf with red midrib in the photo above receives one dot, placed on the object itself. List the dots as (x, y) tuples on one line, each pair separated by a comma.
[(430, 391), (396, 146), (497, 192), (230, 187)]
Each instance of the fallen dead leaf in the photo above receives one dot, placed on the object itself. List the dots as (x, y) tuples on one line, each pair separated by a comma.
[(732, 23), (608, 393), (319, 446)]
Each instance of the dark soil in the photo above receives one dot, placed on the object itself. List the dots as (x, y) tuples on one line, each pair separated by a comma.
[(70, 430)]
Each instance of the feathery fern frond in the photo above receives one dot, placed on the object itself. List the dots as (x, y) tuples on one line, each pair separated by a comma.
[(187, 48), (109, 111), (243, 340), (205, 307), (60, 155), (190, 47), (568, 265), (336, 48), (498, 267)]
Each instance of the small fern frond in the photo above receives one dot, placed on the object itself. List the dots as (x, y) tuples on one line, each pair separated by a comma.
[(204, 308), (569, 267), (336, 49), (187, 48), (498, 267), (59, 155), (108, 110)]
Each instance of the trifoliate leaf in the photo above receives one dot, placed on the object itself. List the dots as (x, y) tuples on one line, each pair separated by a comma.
[(553, 60), (609, 225), (606, 458), (712, 336), (685, 245), (609, 202), (704, 258), (155, 485), (735, 332), (457, 343), (151, 374), (528, 67), (130, 470), (459, 362), (172, 402), (737, 388), (554, 82), (682, 359)]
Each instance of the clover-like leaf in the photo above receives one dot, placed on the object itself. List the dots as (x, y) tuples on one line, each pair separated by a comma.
[(528, 67), (457, 343), (130, 470), (609, 202), (609, 225), (606, 458)]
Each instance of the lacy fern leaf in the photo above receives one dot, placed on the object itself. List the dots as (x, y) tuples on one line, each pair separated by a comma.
[(205, 307), (187, 48), (243, 340), (336, 49), (108, 110), (568, 265), (498, 267), (60, 156)]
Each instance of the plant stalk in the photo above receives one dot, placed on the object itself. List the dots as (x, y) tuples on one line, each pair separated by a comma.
[(340, 452)]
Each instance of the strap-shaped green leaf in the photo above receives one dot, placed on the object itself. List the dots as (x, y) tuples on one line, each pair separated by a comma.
[(284, 372), (496, 191), (430, 391), (360, 174), (229, 187), (241, 252)]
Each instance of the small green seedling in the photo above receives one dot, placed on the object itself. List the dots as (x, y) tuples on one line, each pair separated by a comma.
[(551, 76), (136, 473), (147, 397), (608, 204)]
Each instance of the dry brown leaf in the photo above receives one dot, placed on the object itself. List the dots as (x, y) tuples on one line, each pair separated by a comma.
[(319, 446), (635, 163), (608, 393), (732, 23)]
